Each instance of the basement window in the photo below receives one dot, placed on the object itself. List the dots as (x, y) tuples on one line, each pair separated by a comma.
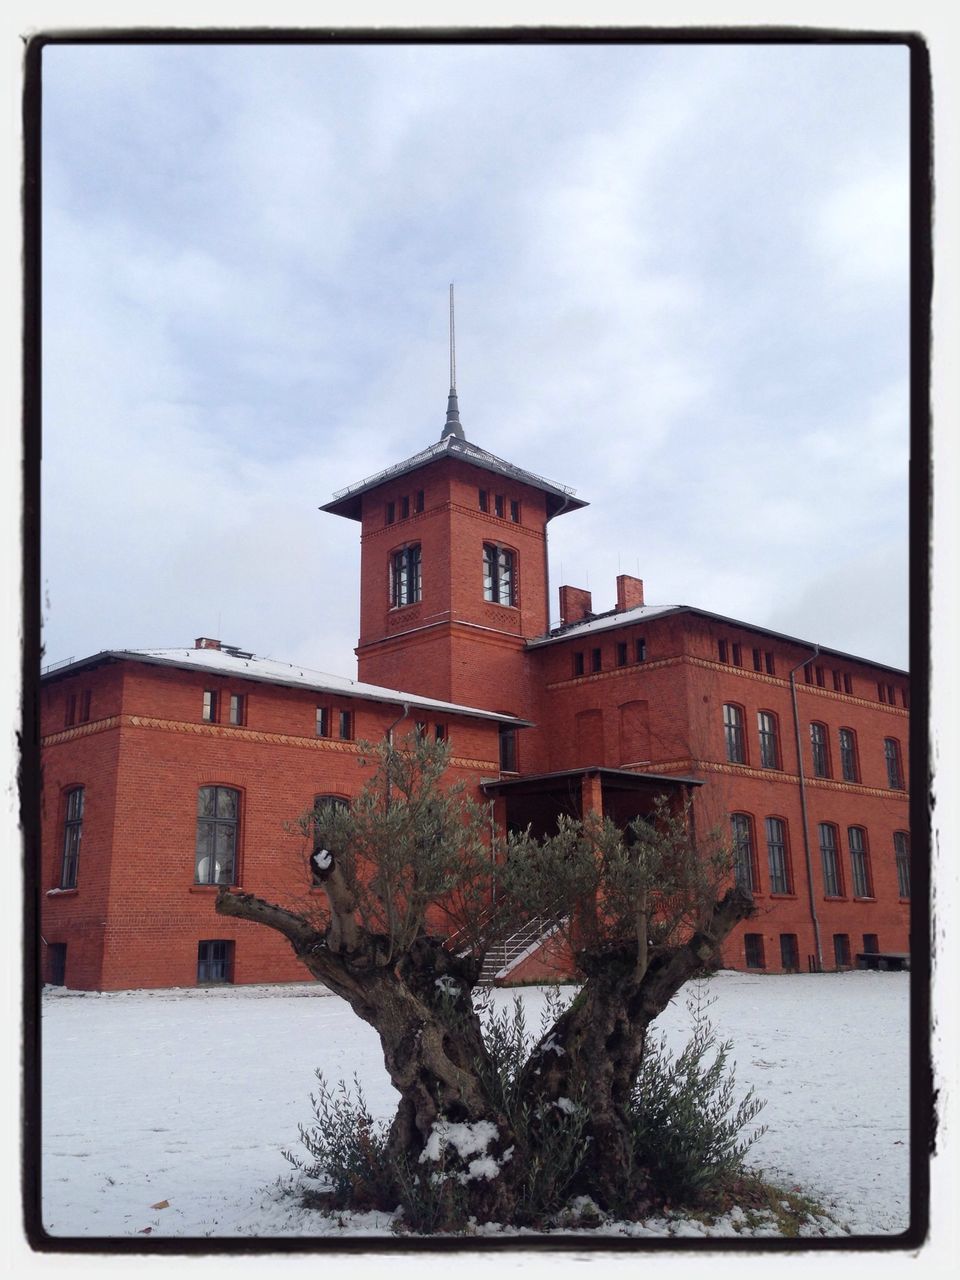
[(215, 961), (753, 950)]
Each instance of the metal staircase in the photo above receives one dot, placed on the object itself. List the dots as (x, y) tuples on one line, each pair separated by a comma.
[(505, 953)]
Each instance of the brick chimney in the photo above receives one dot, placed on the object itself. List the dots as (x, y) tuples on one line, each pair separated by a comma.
[(204, 642), (629, 592), (575, 605)]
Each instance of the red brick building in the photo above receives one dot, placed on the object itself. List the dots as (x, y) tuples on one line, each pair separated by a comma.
[(168, 772)]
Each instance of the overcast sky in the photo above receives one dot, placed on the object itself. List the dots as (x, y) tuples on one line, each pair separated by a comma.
[(681, 278)]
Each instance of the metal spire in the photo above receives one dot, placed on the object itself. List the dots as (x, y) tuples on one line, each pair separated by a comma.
[(452, 426)]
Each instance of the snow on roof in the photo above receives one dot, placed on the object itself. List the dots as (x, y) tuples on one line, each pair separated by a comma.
[(622, 619), (560, 497), (643, 612), (272, 671)]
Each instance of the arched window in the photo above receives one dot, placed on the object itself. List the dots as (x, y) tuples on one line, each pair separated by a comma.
[(769, 740), (499, 575), (830, 859), (859, 862), (405, 576), (72, 831), (744, 859), (891, 753), (218, 824), (781, 881), (821, 750), (733, 733), (849, 767), (901, 851)]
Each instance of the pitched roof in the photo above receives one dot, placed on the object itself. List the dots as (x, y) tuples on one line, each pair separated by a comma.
[(644, 612), (271, 671), (560, 498)]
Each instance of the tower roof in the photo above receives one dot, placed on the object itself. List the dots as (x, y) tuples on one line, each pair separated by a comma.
[(560, 498)]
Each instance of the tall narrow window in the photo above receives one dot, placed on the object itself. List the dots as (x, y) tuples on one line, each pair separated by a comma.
[(596, 659), (405, 580), (733, 734), (769, 744), (641, 650), (744, 863), (722, 650), (210, 704), (780, 879), (508, 750), (484, 501), (440, 732), (808, 673), (847, 683), (70, 716), (391, 512), (499, 577), (757, 660), (771, 664), (819, 675), (901, 852), (891, 753), (832, 883), (346, 724), (323, 722), (821, 751), (621, 653), (238, 708), (836, 681), (514, 511), (859, 862), (498, 505), (578, 664), (418, 502), (85, 706), (848, 756), (737, 655), (218, 819), (72, 831)]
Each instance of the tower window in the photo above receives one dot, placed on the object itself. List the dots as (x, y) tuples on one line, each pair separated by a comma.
[(621, 653), (737, 656), (405, 578), (418, 502), (404, 508), (210, 704), (578, 664), (238, 708), (499, 575), (323, 722), (346, 724), (770, 664), (722, 650), (71, 712), (498, 505), (641, 650), (757, 660), (484, 500), (391, 513), (514, 511), (596, 659)]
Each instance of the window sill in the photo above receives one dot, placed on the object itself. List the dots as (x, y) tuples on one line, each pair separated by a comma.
[(866, 898), (214, 888), (62, 893), (834, 897), (787, 897)]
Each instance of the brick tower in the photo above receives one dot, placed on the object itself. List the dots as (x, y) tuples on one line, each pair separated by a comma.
[(453, 571)]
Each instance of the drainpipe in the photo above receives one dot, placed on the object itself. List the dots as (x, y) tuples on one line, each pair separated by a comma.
[(493, 855), (402, 716), (803, 805)]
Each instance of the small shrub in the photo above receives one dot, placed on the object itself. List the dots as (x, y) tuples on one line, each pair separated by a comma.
[(348, 1149), (687, 1131)]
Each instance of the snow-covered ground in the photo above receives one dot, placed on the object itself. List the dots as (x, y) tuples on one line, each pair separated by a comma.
[(166, 1112)]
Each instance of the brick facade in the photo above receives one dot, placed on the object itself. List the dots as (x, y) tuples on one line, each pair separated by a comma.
[(655, 691)]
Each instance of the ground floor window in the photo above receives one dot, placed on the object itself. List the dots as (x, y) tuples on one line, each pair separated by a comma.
[(753, 949), (871, 944), (789, 953), (215, 961), (841, 950), (57, 963)]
